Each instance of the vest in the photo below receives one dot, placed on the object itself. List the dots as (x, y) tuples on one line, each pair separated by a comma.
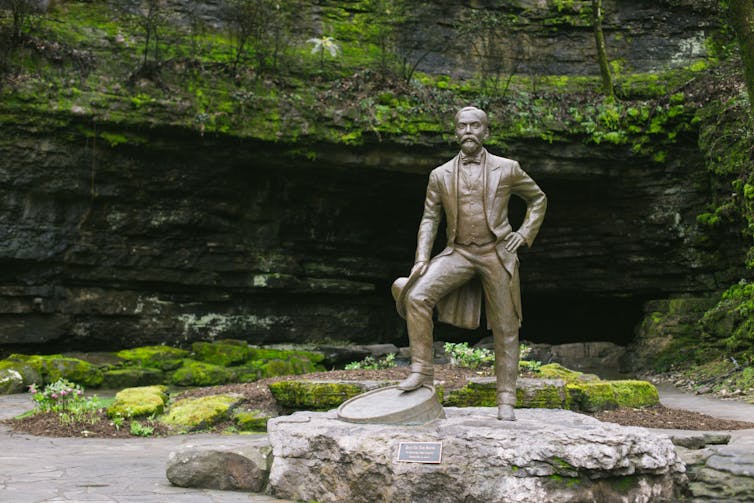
[(472, 222)]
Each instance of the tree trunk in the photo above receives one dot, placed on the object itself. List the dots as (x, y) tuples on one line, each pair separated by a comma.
[(599, 38), (742, 19)]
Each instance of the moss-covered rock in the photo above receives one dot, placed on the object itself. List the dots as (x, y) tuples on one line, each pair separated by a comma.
[(557, 371), (159, 357), (141, 401), (314, 395), (54, 367), (30, 372), (251, 420), (530, 393), (602, 395), (194, 373), (277, 362), (286, 354), (11, 381), (132, 376), (225, 352), (192, 414)]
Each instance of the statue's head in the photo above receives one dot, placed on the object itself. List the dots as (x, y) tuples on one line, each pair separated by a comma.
[(471, 129)]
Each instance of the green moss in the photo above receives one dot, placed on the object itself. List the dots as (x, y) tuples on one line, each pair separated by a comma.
[(130, 377), (603, 395), (199, 413), (530, 393), (138, 402), (159, 357), (11, 381), (472, 395), (194, 373), (251, 420), (557, 371), (309, 395), (285, 354), (29, 372), (54, 367), (223, 353)]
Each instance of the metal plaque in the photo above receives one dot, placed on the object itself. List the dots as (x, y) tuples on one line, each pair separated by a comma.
[(420, 452)]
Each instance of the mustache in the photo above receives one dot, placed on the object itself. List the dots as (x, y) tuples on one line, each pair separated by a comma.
[(469, 137)]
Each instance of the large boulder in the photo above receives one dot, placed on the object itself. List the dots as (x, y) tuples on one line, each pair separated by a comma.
[(547, 455), (239, 468)]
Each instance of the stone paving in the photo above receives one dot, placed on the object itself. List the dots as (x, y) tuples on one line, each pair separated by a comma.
[(72, 470)]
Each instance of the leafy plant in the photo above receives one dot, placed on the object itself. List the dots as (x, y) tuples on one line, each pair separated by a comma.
[(461, 355), (141, 430), (372, 363), (323, 44), (67, 400), (62, 395)]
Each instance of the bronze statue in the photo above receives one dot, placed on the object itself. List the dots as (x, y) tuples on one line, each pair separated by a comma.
[(473, 190)]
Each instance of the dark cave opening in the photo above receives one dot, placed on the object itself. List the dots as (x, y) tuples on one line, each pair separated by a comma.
[(565, 318)]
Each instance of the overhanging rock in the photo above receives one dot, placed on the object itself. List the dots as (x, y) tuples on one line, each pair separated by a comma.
[(546, 456)]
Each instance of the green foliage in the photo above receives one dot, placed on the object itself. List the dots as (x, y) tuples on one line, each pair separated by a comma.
[(67, 401), (141, 430), (729, 325), (372, 363), (461, 355), (58, 396)]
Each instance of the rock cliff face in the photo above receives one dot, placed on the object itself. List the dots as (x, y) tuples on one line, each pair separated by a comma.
[(190, 238), (180, 237)]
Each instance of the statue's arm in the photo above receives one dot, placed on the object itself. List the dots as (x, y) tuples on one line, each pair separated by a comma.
[(429, 223), (536, 203)]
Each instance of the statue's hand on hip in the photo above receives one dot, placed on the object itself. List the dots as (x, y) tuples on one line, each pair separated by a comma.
[(513, 241), (421, 267)]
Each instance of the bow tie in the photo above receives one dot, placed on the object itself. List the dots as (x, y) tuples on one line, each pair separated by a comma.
[(471, 159)]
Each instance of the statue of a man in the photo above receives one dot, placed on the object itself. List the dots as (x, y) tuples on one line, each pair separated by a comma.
[(473, 190)]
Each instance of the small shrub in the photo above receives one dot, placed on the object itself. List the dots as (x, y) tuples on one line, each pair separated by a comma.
[(67, 400), (461, 355), (141, 430), (372, 363)]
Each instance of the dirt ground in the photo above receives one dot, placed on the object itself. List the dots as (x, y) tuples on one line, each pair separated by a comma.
[(257, 396)]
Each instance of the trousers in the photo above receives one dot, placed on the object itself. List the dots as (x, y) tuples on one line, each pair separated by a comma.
[(444, 274)]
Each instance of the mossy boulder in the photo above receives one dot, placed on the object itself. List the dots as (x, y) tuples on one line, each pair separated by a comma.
[(251, 420), (131, 376), (11, 381), (31, 373), (225, 352), (285, 354), (315, 395), (557, 371), (530, 393), (54, 367), (140, 401), (158, 357), (194, 373), (602, 395), (278, 362), (192, 414)]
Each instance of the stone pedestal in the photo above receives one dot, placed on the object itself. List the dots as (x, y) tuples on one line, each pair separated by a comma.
[(546, 456)]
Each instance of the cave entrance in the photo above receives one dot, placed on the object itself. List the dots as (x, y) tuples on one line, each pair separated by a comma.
[(565, 318)]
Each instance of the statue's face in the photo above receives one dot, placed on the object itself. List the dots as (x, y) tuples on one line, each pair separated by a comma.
[(470, 131)]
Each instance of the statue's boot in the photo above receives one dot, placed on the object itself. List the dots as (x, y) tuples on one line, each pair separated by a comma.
[(417, 379), (505, 407)]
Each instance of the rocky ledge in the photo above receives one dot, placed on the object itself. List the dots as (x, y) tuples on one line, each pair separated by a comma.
[(545, 456)]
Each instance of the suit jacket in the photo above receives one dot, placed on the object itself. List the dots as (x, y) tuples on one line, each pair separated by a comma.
[(501, 178)]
